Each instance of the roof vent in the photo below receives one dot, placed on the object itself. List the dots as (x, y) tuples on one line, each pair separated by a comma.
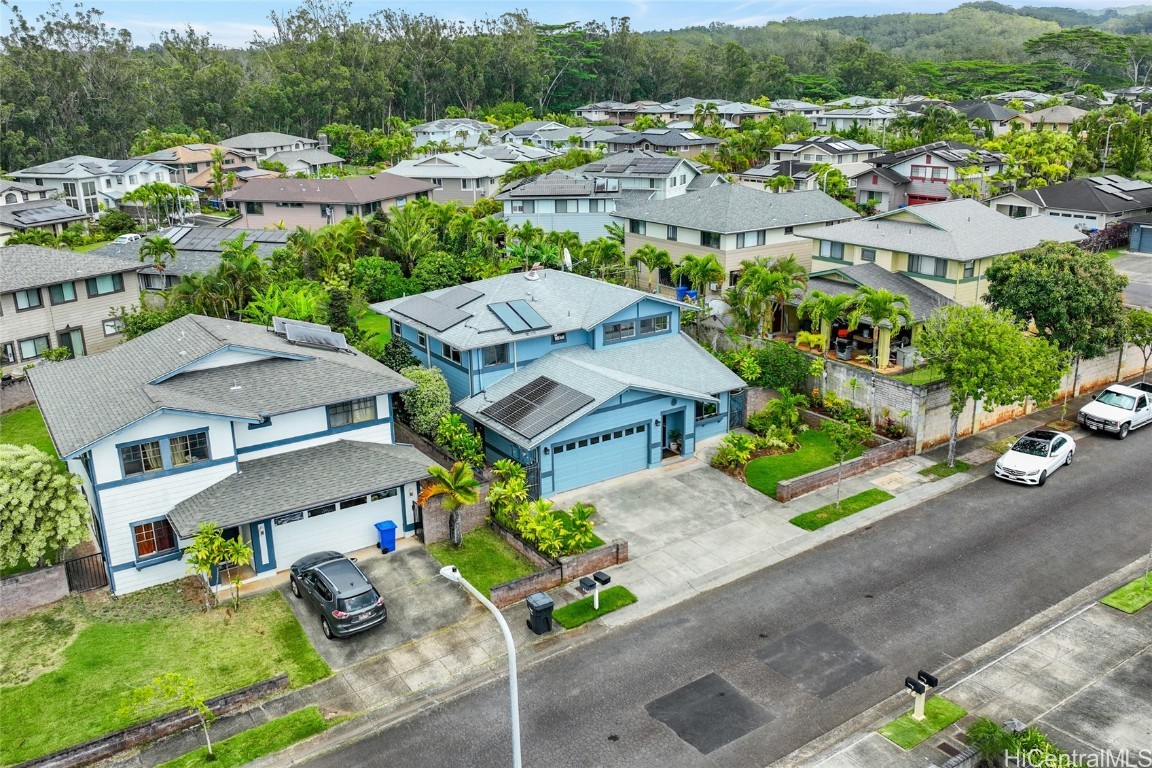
[(235, 386)]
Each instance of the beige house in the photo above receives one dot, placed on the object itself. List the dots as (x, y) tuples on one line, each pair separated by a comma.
[(1059, 118), (944, 246), (314, 203), (52, 298), (464, 176), (191, 164), (733, 222)]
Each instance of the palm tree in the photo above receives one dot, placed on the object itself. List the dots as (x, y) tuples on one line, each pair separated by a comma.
[(780, 184), (824, 309), (158, 250), (406, 237), (459, 487), (705, 112), (599, 256), (654, 259), (791, 277), (747, 309), (699, 271), (242, 271), (883, 309), (221, 181)]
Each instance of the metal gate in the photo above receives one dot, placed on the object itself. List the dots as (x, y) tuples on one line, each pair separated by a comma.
[(532, 480), (737, 406), (86, 573)]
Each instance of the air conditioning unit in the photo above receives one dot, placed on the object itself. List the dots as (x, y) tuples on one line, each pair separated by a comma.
[(713, 286)]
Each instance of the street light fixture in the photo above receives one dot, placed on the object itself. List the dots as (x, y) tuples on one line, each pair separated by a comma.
[(824, 178), (1107, 146), (452, 573)]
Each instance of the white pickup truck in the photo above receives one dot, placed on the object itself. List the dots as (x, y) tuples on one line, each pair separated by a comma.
[(1119, 409)]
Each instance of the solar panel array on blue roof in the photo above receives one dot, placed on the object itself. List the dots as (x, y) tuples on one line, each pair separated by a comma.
[(518, 316)]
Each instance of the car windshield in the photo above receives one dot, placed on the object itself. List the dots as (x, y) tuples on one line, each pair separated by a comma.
[(1031, 446), (358, 602), (1117, 399)]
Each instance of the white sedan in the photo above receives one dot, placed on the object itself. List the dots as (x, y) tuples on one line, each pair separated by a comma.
[(1035, 456)]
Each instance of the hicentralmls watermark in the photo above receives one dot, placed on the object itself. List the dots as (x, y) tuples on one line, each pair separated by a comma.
[(1109, 758)]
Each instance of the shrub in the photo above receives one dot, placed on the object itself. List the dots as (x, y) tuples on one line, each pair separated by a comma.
[(889, 427), (139, 320), (506, 498), (782, 367), (429, 402), (436, 270), (578, 535), (1112, 236), (735, 451), (461, 442), (397, 355), (380, 279), (742, 361), (777, 437), (115, 223)]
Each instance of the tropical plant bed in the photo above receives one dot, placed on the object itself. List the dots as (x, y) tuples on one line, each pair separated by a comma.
[(581, 611), (97, 648), (815, 452), (939, 713), (942, 469), (830, 513), (1131, 597), (484, 559), (262, 740)]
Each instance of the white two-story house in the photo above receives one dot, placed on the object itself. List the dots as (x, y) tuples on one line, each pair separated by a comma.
[(455, 131), (93, 184), (284, 440)]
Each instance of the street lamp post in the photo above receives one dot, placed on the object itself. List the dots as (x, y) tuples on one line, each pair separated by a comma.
[(824, 179), (451, 573), (1107, 147)]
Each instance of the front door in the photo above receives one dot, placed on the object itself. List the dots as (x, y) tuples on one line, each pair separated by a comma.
[(73, 340)]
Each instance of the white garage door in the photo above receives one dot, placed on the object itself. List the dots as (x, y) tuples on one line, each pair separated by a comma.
[(340, 527), (599, 457)]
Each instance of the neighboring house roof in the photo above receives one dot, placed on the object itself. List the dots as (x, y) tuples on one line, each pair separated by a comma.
[(529, 127), (309, 156), (38, 213), (194, 153), (859, 101), (462, 164), (320, 475), (516, 153), (876, 112), (32, 266), (461, 316), (664, 137), (960, 230), (1023, 95), (785, 105), (81, 166), (671, 364), (955, 153), (707, 181), (833, 145), (244, 173), (602, 105), (731, 208), (1099, 194), (558, 184), (645, 163), (449, 125), (352, 190), (265, 139), (1058, 115), (198, 249), (89, 398), (922, 300), (985, 110), (689, 125), (16, 186)]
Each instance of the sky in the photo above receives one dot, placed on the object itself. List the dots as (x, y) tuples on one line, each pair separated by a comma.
[(233, 22)]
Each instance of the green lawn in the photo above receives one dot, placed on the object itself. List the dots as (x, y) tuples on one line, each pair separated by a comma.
[(257, 742), (65, 671), (818, 518), (377, 328), (943, 470), (815, 452), (25, 426), (1131, 597), (581, 611), (906, 733), (484, 559), (925, 374), (91, 246)]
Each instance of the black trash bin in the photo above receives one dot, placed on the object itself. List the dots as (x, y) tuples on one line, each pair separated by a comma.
[(539, 613)]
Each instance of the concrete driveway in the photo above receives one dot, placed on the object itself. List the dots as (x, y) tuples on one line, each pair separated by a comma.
[(419, 601), (1138, 267)]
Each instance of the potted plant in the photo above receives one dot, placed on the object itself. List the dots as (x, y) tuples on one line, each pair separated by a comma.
[(674, 437)]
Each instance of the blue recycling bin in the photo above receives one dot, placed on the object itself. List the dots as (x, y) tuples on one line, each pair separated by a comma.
[(387, 531), (680, 291), (691, 295)]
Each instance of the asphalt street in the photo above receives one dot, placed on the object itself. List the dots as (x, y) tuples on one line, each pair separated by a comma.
[(743, 675)]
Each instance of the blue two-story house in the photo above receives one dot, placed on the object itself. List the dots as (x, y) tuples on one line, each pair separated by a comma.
[(282, 437), (583, 379)]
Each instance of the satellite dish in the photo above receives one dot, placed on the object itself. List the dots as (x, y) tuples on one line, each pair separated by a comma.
[(567, 260)]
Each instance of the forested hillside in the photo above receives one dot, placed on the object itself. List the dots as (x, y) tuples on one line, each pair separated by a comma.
[(72, 84)]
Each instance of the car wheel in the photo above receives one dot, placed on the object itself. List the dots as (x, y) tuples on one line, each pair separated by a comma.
[(1068, 459), (294, 586), (1123, 433), (1043, 478), (326, 627)]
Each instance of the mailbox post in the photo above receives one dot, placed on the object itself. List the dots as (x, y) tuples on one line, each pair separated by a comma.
[(918, 686), (601, 579)]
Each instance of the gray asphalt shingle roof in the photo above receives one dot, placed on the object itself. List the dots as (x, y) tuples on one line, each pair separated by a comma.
[(33, 266), (663, 137), (922, 300), (353, 190), (89, 398), (959, 230), (1100, 194), (198, 249), (670, 364), (264, 139), (299, 480), (309, 156), (728, 208)]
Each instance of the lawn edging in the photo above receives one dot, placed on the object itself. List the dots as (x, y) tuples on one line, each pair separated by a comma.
[(886, 451), (110, 744)]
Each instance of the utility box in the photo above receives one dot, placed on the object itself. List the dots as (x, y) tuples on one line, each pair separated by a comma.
[(387, 531), (539, 612)]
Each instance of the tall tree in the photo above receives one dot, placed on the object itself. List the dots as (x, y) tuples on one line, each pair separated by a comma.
[(884, 310), (1138, 333), (158, 251), (653, 259), (458, 487), (699, 271)]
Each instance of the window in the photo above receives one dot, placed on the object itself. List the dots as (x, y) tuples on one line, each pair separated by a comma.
[(868, 254), (559, 338), (356, 502), (673, 232), (749, 239), (832, 250), (710, 239), (107, 183), (141, 458), (637, 227), (597, 206), (789, 230), (496, 355), (969, 269), (466, 183), (397, 328), (119, 179), (619, 331), (27, 299), (256, 209), (421, 339), (90, 203), (450, 353), (34, 347), (437, 182), (70, 197), (153, 538), (192, 168), (113, 326), (352, 412), (152, 282), (62, 293), (523, 206), (705, 410), (291, 517), (939, 174), (927, 265), (8, 352), (131, 178), (653, 325), (289, 204), (189, 449), (875, 179), (380, 495), (98, 286), (349, 210), (324, 510), (566, 206)]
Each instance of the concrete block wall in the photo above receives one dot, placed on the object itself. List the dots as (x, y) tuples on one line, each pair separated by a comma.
[(571, 567), (15, 393), (26, 592)]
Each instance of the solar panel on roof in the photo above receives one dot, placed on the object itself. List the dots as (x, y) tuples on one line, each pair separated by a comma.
[(459, 296), (280, 324), (538, 405), (315, 337), (432, 313), (518, 316)]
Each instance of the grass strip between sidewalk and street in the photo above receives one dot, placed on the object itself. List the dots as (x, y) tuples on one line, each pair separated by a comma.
[(906, 733), (262, 740), (830, 513), (942, 469), (484, 559), (581, 611), (1131, 597)]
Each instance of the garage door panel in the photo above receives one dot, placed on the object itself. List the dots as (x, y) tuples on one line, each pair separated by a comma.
[(342, 530), (599, 457)]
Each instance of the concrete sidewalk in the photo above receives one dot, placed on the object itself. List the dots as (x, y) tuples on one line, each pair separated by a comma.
[(454, 659)]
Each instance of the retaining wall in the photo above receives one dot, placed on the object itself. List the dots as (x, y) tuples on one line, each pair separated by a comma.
[(15, 393), (25, 592), (569, 568)]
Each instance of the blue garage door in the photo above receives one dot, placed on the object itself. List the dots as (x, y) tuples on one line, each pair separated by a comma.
[(599, 457)]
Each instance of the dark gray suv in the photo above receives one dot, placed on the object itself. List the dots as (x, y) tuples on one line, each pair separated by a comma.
[(339, 591)]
